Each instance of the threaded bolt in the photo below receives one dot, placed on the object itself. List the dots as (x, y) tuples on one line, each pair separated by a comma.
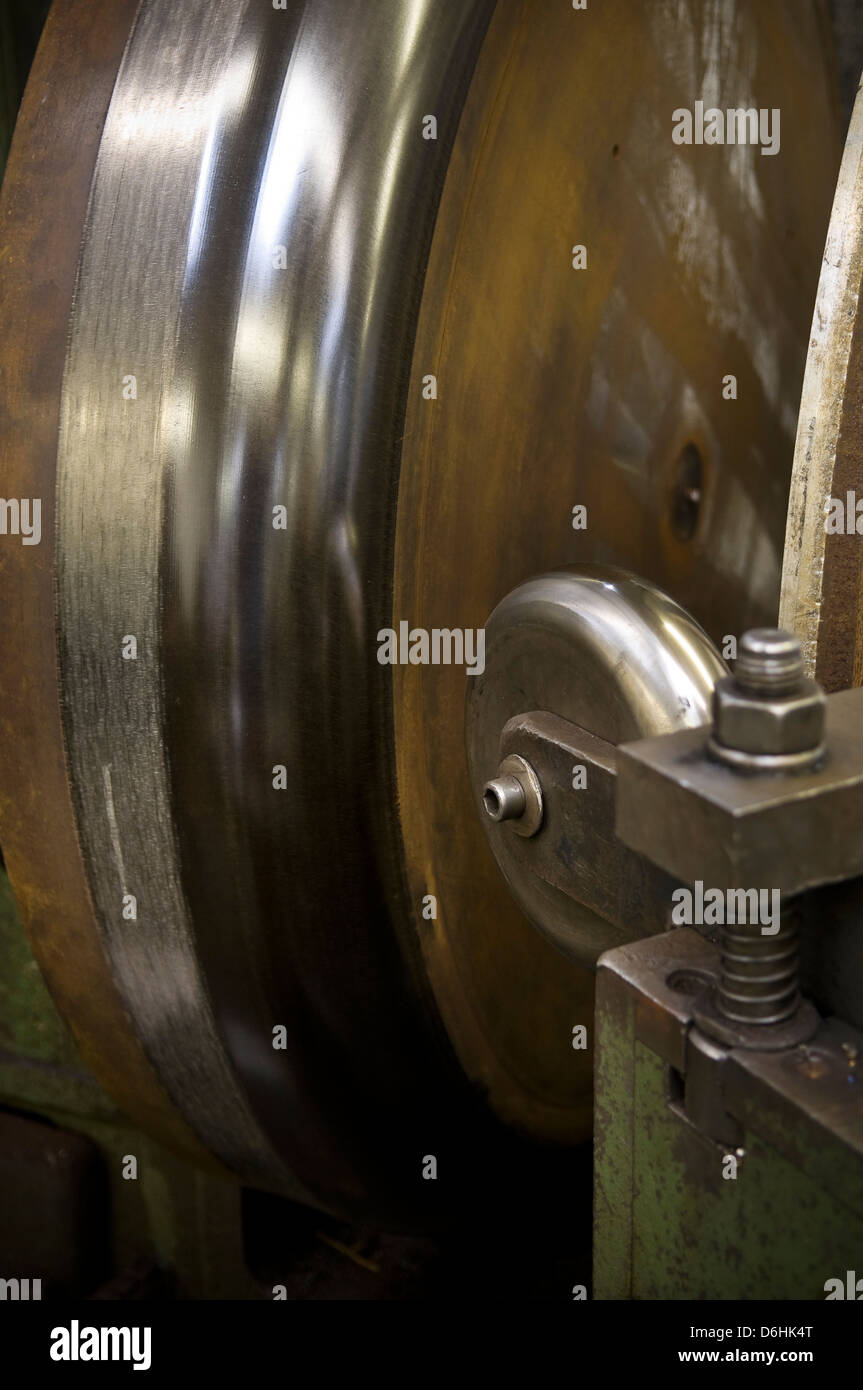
[(759, 979), (769, 716), (769, 662)]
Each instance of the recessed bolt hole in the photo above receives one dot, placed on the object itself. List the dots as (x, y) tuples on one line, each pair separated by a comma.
[(688, 981), (504, 798), (687, 493)]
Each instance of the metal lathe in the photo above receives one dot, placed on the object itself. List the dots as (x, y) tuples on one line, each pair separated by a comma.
[(431, 628)]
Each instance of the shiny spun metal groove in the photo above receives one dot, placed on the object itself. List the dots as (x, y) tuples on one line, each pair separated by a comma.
[(233, 129)]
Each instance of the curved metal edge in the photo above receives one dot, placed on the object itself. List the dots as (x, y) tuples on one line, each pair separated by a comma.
[(608, 652), (640, 643), (42, 210), (254, 383), (184, 71), (821, 574)]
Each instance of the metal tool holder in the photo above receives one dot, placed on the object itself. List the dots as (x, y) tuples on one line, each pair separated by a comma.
[(726, 1102)]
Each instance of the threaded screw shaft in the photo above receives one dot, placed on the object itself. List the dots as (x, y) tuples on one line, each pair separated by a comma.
[(769, 662), (759, 975)]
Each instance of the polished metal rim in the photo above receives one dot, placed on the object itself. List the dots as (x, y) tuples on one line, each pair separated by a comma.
[(273, 260), (258, 225)]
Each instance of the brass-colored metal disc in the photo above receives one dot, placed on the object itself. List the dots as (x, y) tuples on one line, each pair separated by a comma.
[(251, 257), (600, 387)]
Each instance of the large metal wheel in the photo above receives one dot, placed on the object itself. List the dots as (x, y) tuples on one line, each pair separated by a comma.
[(257, 262)]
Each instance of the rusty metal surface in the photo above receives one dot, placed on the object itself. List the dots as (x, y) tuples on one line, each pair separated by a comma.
[(608, 653), (40, 1067), (501, 327), (665, 974), (808, 1102), (699, 819), (51, 166), (610, 894), (21, 23), (667, 1223), (804, 1098), (559, 387)]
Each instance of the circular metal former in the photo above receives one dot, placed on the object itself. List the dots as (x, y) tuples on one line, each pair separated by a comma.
[(605, 651), (597, 388), (331, 366), (259, 218)]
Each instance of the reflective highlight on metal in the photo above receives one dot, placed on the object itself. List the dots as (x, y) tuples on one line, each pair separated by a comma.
[(759, 980), (515, 795), (270, 377), (262, 378), (503, 798), (768, 716), (560, 386), (611, 654), (51, 164), (769, 661)]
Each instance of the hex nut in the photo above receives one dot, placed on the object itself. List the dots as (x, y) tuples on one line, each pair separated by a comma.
[(778, 724)]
